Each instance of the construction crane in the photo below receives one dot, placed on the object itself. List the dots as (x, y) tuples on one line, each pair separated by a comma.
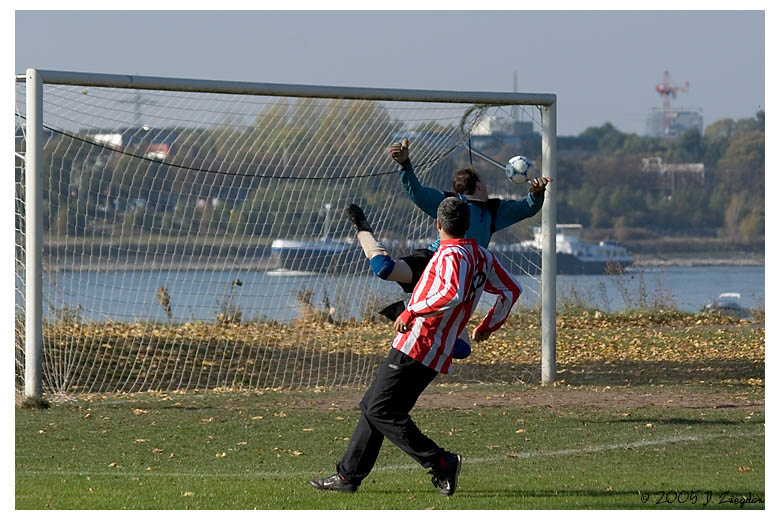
[(667, 91)]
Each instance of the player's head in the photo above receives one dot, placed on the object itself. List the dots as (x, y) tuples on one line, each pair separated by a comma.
[(453, 217), (468, 182)]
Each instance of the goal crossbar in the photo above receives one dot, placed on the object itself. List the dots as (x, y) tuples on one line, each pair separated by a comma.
[(290, 90)]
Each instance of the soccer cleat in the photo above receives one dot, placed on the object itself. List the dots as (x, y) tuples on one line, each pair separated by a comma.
[(334, 483), (446, 477), (392, 311), (358, 218)]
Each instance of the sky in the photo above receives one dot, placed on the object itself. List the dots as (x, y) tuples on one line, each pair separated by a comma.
[(602, 65)]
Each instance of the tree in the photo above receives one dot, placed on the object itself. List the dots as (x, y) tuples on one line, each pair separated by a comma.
[(628, 203), (571, 172), (719, 135), (742, 165), (688, 147), (607, 137), (744, 217), (635, 144)]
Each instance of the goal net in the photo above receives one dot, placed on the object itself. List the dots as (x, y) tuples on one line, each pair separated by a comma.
[(196, 239)]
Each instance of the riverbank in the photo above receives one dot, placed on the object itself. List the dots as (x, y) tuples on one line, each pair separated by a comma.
[(698, 259), (270, 264), (655, 249), (207, 252)]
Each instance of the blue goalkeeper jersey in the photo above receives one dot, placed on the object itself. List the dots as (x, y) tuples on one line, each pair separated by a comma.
[(486, 217)]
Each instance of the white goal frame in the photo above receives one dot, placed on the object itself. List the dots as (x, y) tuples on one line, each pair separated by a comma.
[(33, 164)]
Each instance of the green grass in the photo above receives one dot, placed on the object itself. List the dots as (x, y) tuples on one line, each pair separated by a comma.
[(219, 450)]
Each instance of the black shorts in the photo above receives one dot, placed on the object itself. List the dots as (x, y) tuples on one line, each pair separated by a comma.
[(417, 262)]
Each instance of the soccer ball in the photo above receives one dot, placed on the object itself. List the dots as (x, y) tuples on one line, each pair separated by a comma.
[(517, 169)]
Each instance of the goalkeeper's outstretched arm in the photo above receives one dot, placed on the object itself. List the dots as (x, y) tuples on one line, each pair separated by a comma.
[(513, 211), (425, 198)]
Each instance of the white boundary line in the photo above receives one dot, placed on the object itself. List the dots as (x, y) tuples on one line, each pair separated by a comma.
[(484, 460)]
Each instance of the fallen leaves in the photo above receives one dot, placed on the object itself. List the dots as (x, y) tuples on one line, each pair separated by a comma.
[(206, 355)]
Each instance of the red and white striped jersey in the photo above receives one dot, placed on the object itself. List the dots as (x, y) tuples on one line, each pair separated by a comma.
[(446, 296)]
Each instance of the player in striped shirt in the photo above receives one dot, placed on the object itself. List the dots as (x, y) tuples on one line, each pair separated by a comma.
[(442, 303)]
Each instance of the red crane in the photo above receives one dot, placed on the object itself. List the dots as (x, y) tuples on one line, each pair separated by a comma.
[(666, 90)]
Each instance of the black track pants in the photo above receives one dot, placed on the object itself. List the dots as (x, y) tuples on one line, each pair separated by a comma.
[(385, 413)]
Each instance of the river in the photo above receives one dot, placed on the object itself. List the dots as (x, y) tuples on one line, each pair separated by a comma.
[(130, 296)]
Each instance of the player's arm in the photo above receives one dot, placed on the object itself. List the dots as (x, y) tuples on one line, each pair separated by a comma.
[(513, 211), (502, 284), (425, 198), (448, 296)]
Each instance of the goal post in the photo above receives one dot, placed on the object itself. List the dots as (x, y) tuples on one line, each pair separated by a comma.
[(549, 221), (34, 237), (166, 227)]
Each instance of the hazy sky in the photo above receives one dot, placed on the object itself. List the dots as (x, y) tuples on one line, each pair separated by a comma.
[(602, 65)]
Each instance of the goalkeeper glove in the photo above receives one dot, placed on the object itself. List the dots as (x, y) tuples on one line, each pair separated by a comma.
[(539, 185), (400, 151)]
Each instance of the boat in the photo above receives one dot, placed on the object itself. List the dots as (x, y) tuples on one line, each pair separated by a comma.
[(324, 255), (573, 255), (728, 303), (519, 258), (314, 256)]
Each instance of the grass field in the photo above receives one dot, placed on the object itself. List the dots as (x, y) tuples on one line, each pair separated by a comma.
[(648, 414), (228, 451)]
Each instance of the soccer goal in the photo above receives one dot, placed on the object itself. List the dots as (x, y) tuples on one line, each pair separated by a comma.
[(178, 234)]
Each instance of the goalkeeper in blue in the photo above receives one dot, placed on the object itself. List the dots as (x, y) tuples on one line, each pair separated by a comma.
[(488, 215)]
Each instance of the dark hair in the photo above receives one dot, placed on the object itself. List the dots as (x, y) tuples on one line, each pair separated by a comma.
[(465, 181), (454, 215)]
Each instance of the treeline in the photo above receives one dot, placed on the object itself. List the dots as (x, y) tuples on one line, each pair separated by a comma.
[(637, 187), (246, 180), (267, 178)]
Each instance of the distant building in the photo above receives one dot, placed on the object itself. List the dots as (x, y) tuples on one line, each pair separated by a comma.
[(491, 131), (672, 176), (680, 120), (110, 140), (157, 142), (491, 125), (158, 151)]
